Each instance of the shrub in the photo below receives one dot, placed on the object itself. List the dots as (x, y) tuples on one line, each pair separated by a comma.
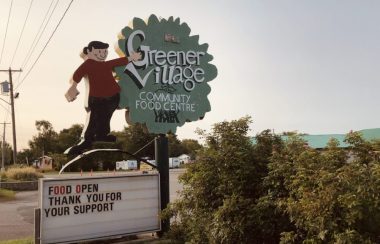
[(22, 174), (220, 201)]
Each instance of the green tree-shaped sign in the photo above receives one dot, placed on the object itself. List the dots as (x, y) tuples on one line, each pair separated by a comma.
[(169, 85)]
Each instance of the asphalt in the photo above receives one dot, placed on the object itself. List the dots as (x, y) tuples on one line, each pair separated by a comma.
[(17, 216)]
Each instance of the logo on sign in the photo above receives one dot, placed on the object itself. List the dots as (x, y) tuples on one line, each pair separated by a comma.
[(171, 80)]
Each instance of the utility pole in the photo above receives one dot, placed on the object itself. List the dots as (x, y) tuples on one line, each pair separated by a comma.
[(13, 112), (3, 149)]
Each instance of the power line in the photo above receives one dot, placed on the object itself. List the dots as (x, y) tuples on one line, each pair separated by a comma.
[(6, 31), (43, 49), (1, 56), (6, 109), (8, 112), (39, 34), (22, 32)]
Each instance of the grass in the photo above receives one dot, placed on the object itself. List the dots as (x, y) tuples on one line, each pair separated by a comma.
[(6, 194), (20, 241)]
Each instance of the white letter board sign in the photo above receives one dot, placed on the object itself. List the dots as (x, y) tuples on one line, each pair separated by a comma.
[(86, 208)]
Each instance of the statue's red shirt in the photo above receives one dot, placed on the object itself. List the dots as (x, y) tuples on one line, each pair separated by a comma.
[(100, 76)]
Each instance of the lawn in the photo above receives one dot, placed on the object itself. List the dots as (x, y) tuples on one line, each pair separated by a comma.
[(6, 195), (20, 241)]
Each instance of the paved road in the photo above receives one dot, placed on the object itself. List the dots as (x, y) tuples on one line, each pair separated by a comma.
[(17, 216), (175, 186)]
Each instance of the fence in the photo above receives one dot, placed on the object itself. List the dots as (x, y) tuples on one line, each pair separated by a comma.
[(20, 186)]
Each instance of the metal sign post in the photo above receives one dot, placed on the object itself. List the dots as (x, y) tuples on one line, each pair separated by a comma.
[(162, 160)]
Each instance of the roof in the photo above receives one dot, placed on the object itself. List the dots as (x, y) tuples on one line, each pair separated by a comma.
[(183, 156), (45, 156), (320, 141)]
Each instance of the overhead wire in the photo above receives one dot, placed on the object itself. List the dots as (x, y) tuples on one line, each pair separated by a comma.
[(39, 34), (34, 40), (2, 52), (22, 32), (7, 112), (6, 31), (6, 109), (43, 49)]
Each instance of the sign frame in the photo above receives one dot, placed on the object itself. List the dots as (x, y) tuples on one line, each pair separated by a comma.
[(39, 219)]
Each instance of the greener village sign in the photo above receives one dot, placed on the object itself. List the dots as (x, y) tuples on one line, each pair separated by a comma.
[(171, 80), (167, 87)]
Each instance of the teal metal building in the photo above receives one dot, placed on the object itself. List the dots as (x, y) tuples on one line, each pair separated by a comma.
[(320, 141)]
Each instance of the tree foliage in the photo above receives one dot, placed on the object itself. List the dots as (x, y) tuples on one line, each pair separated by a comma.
[(327, 197), (136, 138), (69, 137), (45, 141), (8, 155), (133, 139), (219, 202), (275, 191), (191, 147)]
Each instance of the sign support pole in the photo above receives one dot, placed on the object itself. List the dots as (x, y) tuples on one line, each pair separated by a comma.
[(162, 159), (37, 225)]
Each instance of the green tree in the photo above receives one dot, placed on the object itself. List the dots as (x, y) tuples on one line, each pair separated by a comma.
[(175, 146), (98, 160), (69, 137), (46, 140), (59, 160), (136, 138), (191, 147), (219, 201), (8, 153), (25, 157), (327, 198)]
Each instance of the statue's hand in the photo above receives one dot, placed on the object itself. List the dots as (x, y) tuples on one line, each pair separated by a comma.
[(72, 93), (134, 56)]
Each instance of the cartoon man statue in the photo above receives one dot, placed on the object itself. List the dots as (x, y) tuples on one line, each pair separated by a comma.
[(102, 93)]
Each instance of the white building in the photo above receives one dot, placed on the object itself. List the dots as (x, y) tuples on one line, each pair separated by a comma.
[(44, 162), (184, 158), (126, 165)]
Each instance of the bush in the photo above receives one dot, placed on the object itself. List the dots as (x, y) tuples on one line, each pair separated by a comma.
[(22, 174), (278, 192), (220, 198)]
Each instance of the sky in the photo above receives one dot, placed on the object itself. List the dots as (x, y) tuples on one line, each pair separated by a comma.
[(306, 66)]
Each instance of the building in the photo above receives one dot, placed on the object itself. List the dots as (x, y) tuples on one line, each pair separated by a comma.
[(126, 165), (321, 141), (44, 162), (147, 167), (184, 159)]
